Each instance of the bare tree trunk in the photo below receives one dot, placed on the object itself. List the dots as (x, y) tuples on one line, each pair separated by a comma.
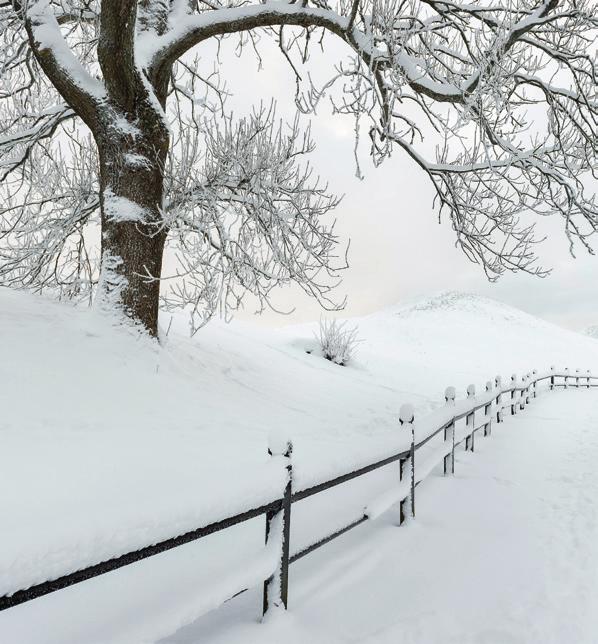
[(133, 230)]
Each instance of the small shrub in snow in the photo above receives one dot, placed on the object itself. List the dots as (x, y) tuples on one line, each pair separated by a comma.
[(337, 341)]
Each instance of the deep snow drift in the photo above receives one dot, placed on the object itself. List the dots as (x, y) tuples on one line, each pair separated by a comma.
[(110, 443)]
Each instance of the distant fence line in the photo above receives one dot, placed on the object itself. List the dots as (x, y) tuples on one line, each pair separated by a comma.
[(492, 402)]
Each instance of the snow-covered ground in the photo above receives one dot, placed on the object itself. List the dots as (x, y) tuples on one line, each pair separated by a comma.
[(505, 552), (110, 443)]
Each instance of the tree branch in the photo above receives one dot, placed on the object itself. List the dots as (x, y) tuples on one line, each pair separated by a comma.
[(82, 92)]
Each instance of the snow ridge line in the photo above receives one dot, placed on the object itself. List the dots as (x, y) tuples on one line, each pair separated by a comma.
[(277, 512)]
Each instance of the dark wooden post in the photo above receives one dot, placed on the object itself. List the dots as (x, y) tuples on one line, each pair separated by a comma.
[(488, 410), (498, 384), (470, 420), (566, 376), (535, 385), (406, 418), (588, 377), (278, 526), (403, 511), (449, 433), (513, 392), (551, 378), (523, 397), (577, 378)]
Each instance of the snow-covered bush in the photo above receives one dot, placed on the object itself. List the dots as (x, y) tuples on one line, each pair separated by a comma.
[(338, 341)]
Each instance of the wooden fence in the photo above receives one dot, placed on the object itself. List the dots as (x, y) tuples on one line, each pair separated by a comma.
[(480, 413)]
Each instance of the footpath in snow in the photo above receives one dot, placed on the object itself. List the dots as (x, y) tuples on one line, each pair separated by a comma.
[(503, 553)]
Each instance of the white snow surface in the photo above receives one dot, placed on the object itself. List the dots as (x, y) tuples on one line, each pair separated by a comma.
[(121, 209), (110, 443)]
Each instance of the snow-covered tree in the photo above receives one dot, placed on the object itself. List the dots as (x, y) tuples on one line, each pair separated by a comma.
[(504, 90)]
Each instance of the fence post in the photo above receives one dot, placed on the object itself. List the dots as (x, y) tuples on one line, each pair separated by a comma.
[(551, 378), (498, 384), (470, 420), (488, 411), (566, 376), (278, 526), (577, 378), (513, 392), (523, 396), (449, 433), (407, 506), (535, 385), (588, 377)]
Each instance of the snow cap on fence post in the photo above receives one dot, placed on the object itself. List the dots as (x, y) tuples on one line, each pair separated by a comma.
[(489, 385), (406, 414), (498, 382), (449, 395), (471, 391), (279, 444)]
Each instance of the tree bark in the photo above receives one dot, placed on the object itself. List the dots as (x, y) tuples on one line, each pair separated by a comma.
[(133, 230)]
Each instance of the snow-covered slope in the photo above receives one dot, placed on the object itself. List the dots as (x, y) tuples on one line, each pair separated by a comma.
[(110, 442)]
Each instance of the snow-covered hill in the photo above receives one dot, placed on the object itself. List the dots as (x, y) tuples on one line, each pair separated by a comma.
[(110, 442)]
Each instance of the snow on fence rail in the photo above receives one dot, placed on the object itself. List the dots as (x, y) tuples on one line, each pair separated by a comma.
[(273, 566)]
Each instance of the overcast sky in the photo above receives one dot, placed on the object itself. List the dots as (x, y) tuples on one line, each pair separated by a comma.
[(398, 248)]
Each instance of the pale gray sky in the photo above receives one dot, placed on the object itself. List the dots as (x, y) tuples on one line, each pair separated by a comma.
[(398, 249)]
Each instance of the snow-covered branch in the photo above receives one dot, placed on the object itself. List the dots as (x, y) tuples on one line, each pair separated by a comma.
[(246, 217), (496, 101), (84, 93)]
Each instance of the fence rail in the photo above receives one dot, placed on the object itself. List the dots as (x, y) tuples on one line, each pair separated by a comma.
[(493, 401)]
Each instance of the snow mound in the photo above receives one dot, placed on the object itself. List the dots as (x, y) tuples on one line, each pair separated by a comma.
[(450, 302)]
